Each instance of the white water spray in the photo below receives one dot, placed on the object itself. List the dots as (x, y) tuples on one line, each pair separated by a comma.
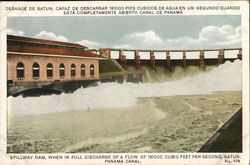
[(226, 77)]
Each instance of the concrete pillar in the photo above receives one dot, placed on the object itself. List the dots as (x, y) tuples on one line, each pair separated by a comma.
[(136, 53), (184, 59), (221, 57), (105, 53), (137, 60), (152, 60), (168, 61), (202, 60), (121, 53), (124, 62), (239, 55)]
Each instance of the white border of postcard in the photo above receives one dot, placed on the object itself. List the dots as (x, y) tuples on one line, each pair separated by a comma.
[(194, 158)]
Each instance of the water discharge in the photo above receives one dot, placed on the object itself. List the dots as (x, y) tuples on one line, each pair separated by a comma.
[(226, 77), (166, 116), (162, 74)]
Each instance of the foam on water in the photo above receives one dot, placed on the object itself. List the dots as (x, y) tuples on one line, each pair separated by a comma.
[(162, 74), (226, 77)]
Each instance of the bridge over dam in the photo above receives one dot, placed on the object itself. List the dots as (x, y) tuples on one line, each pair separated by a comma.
[(171, 58)]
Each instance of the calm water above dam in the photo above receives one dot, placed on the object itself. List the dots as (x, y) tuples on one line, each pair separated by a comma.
[(164, 116)]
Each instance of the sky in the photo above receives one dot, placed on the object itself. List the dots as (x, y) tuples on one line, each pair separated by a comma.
[(134, 32)]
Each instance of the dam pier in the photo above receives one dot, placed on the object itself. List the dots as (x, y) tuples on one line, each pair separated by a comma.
[(169, 59)]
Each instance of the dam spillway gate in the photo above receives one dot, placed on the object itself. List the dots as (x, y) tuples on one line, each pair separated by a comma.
[(202, 57)]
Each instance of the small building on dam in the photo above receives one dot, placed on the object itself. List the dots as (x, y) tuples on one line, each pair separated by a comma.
[(37, 60)]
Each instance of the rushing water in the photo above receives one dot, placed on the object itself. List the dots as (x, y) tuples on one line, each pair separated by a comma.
[(166, 116), (162, 74)]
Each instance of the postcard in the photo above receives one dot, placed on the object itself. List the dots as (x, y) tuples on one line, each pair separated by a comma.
[(128, 82)]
